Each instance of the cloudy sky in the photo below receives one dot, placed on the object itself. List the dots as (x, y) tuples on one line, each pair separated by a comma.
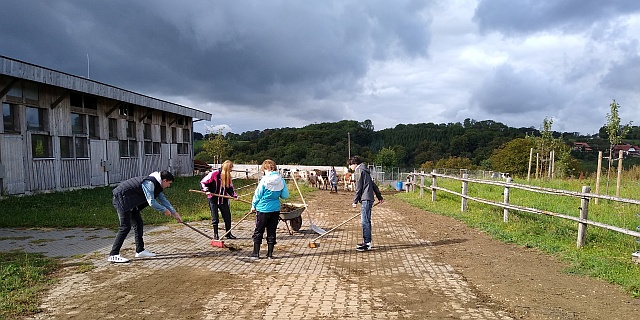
[(279, 63)]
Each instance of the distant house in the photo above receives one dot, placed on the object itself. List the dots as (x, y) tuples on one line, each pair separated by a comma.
[(582, 147), (628, 150), (61, 131)]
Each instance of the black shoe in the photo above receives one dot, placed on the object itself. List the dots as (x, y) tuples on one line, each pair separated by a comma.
[(364, 247), (215, 237), (230, 236)]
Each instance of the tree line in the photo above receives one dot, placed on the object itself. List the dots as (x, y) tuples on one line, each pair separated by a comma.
[(470, 144)]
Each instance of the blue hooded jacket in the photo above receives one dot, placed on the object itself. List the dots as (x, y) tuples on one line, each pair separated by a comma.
[(270, 189)]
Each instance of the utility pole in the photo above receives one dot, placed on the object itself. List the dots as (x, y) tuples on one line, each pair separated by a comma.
[(349, 143)]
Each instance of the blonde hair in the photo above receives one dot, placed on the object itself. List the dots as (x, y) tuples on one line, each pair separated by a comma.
[(225, 175), (269, 165)]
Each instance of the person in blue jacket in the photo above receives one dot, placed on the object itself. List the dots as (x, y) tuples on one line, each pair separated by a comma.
[(266, 204)]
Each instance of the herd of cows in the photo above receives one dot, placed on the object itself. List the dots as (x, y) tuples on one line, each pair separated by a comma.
[(320, 178)]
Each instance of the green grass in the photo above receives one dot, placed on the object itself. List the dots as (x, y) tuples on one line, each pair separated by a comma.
[(22, 277), (93, 208), (606, 254)]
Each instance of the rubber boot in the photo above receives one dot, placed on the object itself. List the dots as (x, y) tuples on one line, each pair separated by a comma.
[(215, 233), (256, 251), (229, 235), (270, 251)]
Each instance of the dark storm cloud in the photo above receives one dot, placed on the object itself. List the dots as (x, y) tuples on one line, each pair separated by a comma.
[(530, 16), (508, 91), (249, 53), (624, 75)]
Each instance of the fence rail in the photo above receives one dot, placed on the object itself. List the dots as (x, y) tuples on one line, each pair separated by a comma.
[(417, 180)]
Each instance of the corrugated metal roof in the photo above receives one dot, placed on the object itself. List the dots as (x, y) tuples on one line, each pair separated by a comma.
[(28, 71)]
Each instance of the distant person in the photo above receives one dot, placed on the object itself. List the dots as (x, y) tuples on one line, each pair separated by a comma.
[(333, 179), (266, 204), (129, 198), (364, 192), (219, 182)]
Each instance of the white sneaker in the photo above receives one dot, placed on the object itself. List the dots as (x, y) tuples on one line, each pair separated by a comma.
[(117, 259), (145, 254), (636, 254)]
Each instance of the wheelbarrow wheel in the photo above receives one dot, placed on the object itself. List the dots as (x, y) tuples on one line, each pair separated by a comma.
[(296, 223)]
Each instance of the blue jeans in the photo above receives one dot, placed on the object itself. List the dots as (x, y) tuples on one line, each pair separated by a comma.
[(365, 219)]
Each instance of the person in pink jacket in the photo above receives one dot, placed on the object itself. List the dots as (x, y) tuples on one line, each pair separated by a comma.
[(219, 182)]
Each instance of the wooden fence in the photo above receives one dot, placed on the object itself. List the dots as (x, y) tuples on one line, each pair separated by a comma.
[(418, 180)]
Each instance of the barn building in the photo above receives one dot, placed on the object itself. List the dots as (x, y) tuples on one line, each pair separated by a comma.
[(61, 131)]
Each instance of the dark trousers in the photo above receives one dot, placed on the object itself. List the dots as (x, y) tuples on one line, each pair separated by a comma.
[(225, 210), (128, 219), (269, 221)]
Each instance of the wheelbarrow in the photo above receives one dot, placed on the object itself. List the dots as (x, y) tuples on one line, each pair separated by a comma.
[(292, 213)]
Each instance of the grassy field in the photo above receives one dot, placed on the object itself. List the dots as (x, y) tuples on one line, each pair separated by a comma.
[(93, 208), (22, 277), (606, 254)]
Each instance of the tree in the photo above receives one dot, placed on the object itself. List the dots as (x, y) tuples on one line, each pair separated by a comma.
[(615, 133), (513, 156), (215, 147), (386, 158)]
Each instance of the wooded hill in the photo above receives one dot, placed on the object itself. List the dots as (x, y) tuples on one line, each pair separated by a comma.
[(412, 144)]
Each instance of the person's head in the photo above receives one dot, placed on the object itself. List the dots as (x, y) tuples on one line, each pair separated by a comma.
[(167, 178), (269, 165), (227, 166), (354, 162)]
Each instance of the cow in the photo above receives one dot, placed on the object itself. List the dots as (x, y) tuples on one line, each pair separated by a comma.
[(349, 181)]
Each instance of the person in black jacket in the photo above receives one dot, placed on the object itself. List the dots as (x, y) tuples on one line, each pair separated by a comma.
[(129, 198), (365, 190)]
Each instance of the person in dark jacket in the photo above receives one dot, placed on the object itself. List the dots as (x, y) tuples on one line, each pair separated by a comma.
[(129, 198), (219, 182), (364, 192)]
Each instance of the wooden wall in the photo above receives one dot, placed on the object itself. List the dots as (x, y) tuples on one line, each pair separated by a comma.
[(104, 166)]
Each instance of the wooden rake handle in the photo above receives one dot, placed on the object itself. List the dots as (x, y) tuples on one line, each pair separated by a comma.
[(341, 224), (221, 196)]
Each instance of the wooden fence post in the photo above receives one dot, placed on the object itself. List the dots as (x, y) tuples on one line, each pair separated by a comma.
[(619, 174), (465, 187), (433, 185), (506, 201), (584, 214), (422, 185), (598, 175), (530, 159)]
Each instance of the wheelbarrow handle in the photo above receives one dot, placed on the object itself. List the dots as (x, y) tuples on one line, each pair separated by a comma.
[(221, 196)]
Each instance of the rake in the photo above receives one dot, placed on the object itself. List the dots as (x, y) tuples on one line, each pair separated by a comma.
[(313, 227)]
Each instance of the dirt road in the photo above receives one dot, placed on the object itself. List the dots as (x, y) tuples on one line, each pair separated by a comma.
[(423, 266)]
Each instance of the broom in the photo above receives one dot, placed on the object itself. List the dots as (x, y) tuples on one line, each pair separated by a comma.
[(313, 244)]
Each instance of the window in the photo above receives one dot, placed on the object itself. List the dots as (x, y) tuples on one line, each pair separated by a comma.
[(81, 147), (94, 127), (126, 110), (35, 119), (10, 117), (151, 147), (183, 148), (147, 131), (78, 100), (78, 123), (131, 129), (164, 117), (25, 91), (181, 121), (74, 147), (128, 149), (41, 146), (113, 129), (174, 135), (163, 134), (66, 150), (186, 135)]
